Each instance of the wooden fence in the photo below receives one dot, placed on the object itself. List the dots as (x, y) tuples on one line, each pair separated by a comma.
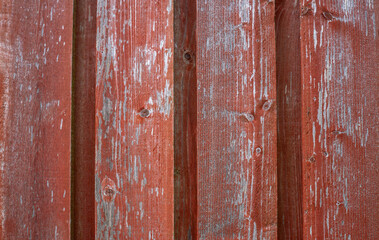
[(189, 119)]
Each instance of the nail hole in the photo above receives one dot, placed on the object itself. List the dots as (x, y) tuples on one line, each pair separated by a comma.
[(187, 56), (258, 151)]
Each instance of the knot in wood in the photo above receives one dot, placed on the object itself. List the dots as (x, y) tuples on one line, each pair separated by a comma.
[(108, 189), (327, 15), (305, 10), (267, 105), (312, 159), (247, 117), (144, 113)]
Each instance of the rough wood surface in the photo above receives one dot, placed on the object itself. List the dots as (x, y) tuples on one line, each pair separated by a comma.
[(83, 122), (185, 120), (35, 97), (288, 72), (236, 120), (339, 49), (134, 120)]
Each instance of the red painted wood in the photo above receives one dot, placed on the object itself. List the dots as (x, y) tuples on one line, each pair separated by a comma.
[(134, 120), (339, 46), (83, 147), (287, 20), (236, 120), (185, 120), (35, 93)]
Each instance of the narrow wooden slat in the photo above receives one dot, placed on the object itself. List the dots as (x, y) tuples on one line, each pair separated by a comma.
[(134, 120), (35, 93), (83, 142), (339, 44), (236, 120), (287, 19), (185, 119)]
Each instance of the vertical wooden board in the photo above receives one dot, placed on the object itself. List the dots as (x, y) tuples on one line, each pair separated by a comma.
[(288, 72), (134, 120), (35, 91), (185, 119), (339, 44), (236, 120), (83, 127)]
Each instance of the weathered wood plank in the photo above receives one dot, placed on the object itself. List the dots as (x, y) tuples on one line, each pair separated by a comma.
[(35, 93), (288, 72), (339, 44), (83, 142), (134, 120), (185, 119), (236, 120)]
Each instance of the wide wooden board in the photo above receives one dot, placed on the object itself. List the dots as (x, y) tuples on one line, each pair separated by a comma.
[(35, 118), (236, 120), (134, 120), (339, 55)]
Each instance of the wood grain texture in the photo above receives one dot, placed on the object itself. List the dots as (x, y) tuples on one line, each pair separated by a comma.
[(339, 44), (236, 120), (35, 112), (185, 119), (134, 120), (288, 72), (83, 121)]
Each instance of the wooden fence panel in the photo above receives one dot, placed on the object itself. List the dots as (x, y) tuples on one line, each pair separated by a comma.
[(287, 23), (83, 121), (134, 120), (35, 112), (339, 119), (242, 101), (185, 119), (236, 120)]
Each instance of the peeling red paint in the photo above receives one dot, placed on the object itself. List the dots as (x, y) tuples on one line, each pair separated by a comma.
[(134, 120), (339, 95), (35, 117)]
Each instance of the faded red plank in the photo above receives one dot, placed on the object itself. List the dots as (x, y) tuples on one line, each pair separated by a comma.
[(185, 120), (134, 120), (35, 91), (236, 120), (339, 44), (83, 147), (288, 72)]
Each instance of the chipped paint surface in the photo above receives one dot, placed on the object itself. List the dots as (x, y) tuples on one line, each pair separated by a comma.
[(236, 120), (225, 119), (339, 120), (134, 120), (35, 90)]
